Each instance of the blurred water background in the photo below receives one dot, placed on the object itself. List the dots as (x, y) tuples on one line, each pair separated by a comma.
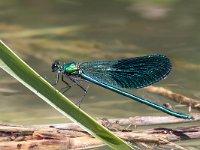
[(68, 30)]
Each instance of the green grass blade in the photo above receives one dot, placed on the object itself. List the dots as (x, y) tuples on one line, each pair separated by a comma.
[(17, 68)]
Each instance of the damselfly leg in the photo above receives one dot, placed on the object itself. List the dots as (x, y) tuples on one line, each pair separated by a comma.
[(75, 81), (67, 87), (56, 80)]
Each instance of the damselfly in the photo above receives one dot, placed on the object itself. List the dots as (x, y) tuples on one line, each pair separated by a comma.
[(131, 73)]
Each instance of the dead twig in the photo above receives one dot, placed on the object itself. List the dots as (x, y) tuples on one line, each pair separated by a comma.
[(72, 137), (195, 104), (145, 120)]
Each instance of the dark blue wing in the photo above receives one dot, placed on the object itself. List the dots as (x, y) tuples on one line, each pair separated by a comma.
[(135, 72)]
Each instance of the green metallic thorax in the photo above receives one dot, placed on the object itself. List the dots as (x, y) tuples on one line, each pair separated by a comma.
[(71, 68)]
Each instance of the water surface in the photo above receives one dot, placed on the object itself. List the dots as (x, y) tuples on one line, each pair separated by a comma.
[(42, 31)]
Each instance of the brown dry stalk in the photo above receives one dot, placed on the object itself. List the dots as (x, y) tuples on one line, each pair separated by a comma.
[(145, 120), (55, 137), (175, 96)]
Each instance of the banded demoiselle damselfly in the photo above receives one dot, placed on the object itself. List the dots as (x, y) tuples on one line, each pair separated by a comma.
[(131, 73)]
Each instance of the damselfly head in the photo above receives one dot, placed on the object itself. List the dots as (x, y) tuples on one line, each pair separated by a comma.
[(56, 66)]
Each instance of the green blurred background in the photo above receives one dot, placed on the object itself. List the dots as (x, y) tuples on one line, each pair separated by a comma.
[(42, 31)]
